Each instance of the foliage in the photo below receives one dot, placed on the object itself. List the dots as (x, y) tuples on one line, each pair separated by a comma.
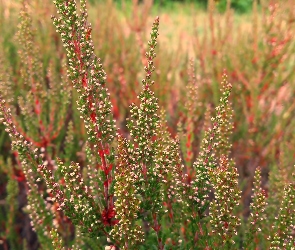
[(94, 180), (238, 5)]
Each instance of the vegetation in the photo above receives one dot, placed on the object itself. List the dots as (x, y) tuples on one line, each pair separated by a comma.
[(187, 154)]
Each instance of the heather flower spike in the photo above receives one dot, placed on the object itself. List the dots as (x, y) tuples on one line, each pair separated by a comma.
[(206, 159), (223, 220), (143, 148), (36, 206), (127, 203), (225, 120), (282, 236), (88, 77), (257, 215)]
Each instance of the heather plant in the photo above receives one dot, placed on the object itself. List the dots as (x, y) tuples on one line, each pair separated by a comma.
[(187, 125), (257, 217), (39, 115), (124, 47), (258, 61), (223, 220), (141, 187), (43, 101)]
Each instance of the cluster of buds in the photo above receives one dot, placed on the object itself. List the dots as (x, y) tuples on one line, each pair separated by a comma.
[(143, 126), (127, 203), (224, 223), (283, 230), (206, 158), (225, 118), (78, 204), (257, 216), (56, 240), (85, 71)]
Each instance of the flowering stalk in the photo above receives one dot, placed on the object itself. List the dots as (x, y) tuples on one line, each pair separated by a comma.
[(257, 216), (75, 204), (283, 231), (277, 182), (151, 158), (39, 213), (35, 121), (88, 77), (127, 203), (173, 185), (225, 116), (224, 223), (143, 127), (197, 190), (206, 159)]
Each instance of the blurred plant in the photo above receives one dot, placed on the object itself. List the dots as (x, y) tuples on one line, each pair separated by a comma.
[(8, 207), (40, 115), (237, 5)]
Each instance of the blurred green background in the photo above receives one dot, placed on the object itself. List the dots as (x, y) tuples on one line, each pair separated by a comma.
[(240, 6)]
